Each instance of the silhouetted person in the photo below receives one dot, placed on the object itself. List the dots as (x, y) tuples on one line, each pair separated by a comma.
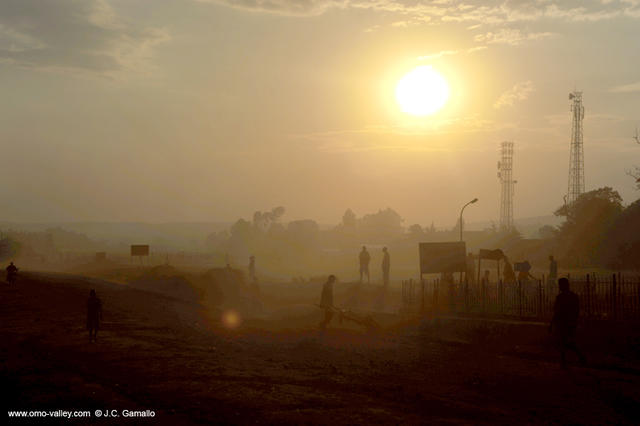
[(326, 301), (553, 269), (566, 310), (12, 271), (364, 263), (94, 315), (485, 277), (252, 268), (386, 267), (508, 274), (525, 272)]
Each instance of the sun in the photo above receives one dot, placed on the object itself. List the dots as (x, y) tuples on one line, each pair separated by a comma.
[(423, 91)]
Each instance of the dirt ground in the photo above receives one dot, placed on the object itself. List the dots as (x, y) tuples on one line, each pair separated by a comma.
[(174, 357)]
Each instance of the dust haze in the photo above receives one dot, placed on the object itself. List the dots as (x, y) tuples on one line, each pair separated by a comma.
[(320, 212)]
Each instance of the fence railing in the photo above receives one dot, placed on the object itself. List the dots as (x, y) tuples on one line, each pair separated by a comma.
[(603, 297)]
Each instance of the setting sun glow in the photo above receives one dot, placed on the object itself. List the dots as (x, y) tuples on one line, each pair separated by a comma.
[(423, 91)]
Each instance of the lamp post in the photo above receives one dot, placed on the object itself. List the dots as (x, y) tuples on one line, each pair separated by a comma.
[(463, 207)]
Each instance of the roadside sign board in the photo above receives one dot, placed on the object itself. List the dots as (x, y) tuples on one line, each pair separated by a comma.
[(140, 250), (491, 254), (442, 257)]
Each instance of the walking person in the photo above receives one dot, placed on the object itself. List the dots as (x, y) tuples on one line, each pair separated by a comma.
[(386, 267), (326, 302), (94, 315), (12, 272), (566, 310), (364, 264)]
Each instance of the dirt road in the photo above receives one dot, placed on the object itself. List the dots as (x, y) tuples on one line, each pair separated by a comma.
[(162, 354)]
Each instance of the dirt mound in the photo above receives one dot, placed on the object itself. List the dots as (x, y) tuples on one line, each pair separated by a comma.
[(167, 280)]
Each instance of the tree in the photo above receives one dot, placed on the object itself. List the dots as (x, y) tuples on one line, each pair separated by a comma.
[(416, 231), (241, 229), (635, 173), (349, 219), (547, 232), (588, 220), (262, 220), (623, 240), (384, 224)]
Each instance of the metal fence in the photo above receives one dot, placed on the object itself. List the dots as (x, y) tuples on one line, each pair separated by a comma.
[(603, 297)]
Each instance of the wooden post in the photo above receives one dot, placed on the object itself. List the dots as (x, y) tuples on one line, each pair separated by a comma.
[(483, 294), (614, 301), (422, 307), (540, 309), (520, 297), (466, 294), (588, 295)]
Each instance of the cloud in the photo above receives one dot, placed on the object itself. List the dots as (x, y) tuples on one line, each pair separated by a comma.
[(512, 37), (519, 92), (485, 12), (437, 55), (283, 7), (409, 136), (626, 88), (73, 35)]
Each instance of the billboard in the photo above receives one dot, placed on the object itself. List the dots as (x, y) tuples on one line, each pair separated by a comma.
[(442, 257), (140, 250), (491, 254)]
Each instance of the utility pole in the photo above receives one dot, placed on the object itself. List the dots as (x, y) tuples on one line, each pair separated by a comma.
[(461, 211)]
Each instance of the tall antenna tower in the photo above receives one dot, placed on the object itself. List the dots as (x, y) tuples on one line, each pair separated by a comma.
[(505, 174), (576, 155)]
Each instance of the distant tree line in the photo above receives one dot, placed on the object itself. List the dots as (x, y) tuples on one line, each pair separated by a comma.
[(599, 231)]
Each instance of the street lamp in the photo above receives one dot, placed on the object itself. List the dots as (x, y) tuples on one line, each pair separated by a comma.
[(463, 207)]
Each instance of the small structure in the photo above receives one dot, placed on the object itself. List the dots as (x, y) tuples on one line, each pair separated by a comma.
[(140, 251)]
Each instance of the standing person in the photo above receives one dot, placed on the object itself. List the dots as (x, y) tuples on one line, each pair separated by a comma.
[(326, 301), (386, 266), (508, 274), (566, 310), (12, 271), (252, 268), (364, 263), (553, 270), (94, 315)]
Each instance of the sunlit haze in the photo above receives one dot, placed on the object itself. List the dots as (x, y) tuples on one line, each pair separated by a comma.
[(211, 110)]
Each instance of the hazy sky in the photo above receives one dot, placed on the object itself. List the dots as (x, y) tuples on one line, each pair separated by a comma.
[(184, 110)]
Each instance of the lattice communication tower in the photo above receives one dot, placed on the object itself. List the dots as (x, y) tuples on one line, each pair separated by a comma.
[(576, 154), (505, 174)]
